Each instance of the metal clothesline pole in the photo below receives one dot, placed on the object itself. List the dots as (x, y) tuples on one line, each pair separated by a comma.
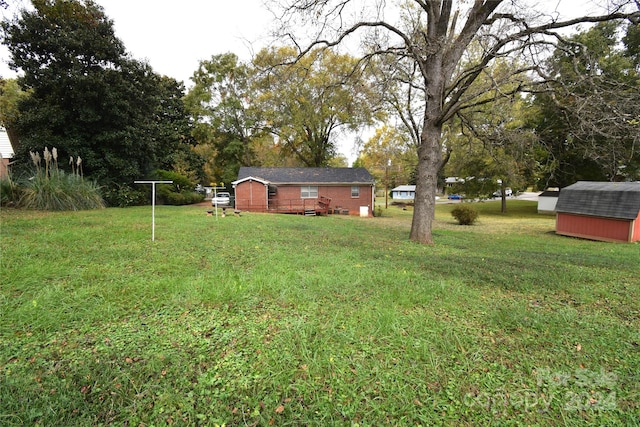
[(153, 203)]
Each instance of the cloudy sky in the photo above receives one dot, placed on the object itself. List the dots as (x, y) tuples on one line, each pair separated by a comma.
[(175, 39), (175, 36)]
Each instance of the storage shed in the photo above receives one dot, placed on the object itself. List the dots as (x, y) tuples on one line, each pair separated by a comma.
[(547, 201), (608, 211)]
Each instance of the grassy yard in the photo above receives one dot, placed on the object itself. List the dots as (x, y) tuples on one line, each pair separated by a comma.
[(290, 320)]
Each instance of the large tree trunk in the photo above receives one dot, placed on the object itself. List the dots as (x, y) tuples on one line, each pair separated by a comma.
[(429, 152), (429, 162)]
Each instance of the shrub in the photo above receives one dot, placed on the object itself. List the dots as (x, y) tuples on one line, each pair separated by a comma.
[(180, 184), (123, 196), (9, 192), (184, 198), (180, 192), (465, 214)]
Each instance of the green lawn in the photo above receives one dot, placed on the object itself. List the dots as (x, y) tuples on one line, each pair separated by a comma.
[(291, 320)]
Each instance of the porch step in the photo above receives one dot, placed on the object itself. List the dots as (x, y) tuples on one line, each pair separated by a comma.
[(310, 212)]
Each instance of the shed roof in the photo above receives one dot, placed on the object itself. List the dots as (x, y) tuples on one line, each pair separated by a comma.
[(549, 193), (604, 199), (405, 188), (308, 175), (250, 178), (6, 150)]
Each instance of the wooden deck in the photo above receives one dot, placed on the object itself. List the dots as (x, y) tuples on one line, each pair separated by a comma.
[(319, 206)]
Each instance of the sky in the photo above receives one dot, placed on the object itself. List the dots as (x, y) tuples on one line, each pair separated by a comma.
[(175, 39), (175, 36)]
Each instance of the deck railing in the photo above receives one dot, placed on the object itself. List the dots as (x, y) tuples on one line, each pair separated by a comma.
[(319, 205)]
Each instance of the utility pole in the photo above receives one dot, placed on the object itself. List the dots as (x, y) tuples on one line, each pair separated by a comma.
[(386, 184)]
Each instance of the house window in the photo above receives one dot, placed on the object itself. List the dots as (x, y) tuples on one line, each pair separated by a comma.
[(309, 192), (355, 191)]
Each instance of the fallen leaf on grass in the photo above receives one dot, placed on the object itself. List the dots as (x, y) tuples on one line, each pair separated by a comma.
[(280, 409)]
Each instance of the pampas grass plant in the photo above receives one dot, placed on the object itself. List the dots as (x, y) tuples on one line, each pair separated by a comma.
[(52, 189)]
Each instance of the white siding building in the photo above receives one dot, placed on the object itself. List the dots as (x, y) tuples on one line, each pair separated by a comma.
[(6, 151), (404, 192)]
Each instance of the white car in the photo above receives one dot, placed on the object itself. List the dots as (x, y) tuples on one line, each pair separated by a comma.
[(507, 192), (221, 199)]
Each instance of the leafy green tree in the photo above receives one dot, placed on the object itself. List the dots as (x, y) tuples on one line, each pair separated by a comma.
[(496, 148), (561, 160), (309, 103), (226, 121), (88, 98), (274, 112), (173, 125), (590, 124), (631, 42), (390, 156), (10, 96)]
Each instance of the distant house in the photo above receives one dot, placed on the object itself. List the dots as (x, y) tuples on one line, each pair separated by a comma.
[(307, 191), (547, 201), (453, 180), (6, 152), (608, 211), (404, 192)]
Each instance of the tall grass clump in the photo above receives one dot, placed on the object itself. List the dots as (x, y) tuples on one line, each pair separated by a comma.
[(52, 189)]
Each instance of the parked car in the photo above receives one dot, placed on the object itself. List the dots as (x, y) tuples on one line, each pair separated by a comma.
[(507, 192), (221, 199), (455, 197)]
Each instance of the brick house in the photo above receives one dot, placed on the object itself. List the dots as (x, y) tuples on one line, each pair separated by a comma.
[(310, 191)]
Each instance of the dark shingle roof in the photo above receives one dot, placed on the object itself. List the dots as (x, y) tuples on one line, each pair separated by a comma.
[(604, 199), (308, 175), (549, 193)]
